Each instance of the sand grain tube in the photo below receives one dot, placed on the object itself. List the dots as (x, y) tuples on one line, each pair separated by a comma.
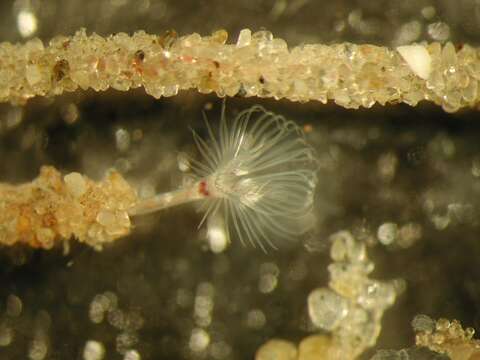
[(256, 64), (53, 207)]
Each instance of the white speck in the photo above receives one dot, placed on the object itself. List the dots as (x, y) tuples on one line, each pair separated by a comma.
[(132, 355), (216, 234), (199, 340), (428, 12), (183, 162), (387, 233), (93, 350), (418, 58), (26, 23)]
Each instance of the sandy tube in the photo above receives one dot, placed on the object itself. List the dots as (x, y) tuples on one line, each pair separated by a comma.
[(53, 208), (254, 65)]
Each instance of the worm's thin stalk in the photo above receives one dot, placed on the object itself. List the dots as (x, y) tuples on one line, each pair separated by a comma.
[(168, 199)]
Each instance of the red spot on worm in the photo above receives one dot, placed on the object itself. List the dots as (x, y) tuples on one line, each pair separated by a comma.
[(202, 188)]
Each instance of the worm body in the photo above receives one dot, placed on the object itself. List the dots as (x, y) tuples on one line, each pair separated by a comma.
[(257, 172)]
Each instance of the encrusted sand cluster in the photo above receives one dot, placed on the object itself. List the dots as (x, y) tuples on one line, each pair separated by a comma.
[(54, 207), (255, 65), (446, 337), (350, 309), (440, 340)]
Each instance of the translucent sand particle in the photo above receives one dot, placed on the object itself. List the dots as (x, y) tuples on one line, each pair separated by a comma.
[(387, 233), (93, 350), (439, 31), (423, 323), (255, 64), (326, 308)]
